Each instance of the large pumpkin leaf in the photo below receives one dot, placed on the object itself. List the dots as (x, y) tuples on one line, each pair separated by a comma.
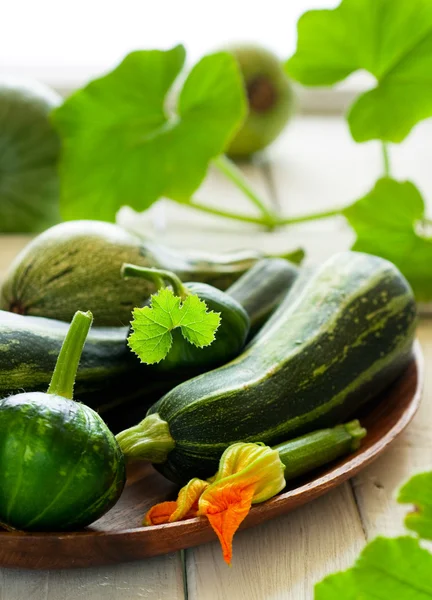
[(387, 222), (392, 39), (387, 569), (121, 144)]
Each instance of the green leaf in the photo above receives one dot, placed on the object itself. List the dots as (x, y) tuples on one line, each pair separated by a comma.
[(120, 145), (386, 222), (418, 491), (392, 39), (387, 569), (151, 339)]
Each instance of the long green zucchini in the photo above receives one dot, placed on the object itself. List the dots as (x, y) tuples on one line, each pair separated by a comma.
[(29, 347), (76, 266), (346, 336)]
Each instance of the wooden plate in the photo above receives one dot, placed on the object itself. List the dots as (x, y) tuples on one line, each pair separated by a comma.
[(118, 537)]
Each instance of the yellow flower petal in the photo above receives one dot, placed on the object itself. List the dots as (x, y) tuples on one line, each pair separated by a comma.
[(248, 474), (226, 506), (185, 507), (187, 500), (160, 513)]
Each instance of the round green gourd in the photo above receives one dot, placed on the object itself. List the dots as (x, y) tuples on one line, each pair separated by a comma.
[(60, 466), (29, 149), (77, 264), (270, 99), (230, 336)]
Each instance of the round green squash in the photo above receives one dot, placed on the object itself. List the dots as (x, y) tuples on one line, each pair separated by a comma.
[(60, 466), (29, 150), (76, 265)]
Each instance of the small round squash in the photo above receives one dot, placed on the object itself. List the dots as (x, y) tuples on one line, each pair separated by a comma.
[(60, 466)]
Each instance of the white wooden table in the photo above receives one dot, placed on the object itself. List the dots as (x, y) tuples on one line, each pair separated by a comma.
[(315, 166)]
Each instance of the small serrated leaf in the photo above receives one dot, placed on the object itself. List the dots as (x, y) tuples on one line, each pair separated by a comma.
[(151, 338), (197, 325)]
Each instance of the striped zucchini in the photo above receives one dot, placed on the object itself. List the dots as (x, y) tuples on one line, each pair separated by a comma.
[(308, 452), (346, 336), (29, 347)]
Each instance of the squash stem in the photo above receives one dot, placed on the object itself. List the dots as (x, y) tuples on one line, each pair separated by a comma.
[(159, 277), (230, 170), (357, 433), (386, 159), (230, 215), (312, 217), (63, 378), (149, 440), (269, 222)]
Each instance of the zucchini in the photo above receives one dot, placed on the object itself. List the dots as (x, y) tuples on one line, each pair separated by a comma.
[(261, 289), (345, 337), (76, 265), (61, 468)]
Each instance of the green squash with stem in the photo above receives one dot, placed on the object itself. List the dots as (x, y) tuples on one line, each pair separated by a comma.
[(231, 334), (60, 466)]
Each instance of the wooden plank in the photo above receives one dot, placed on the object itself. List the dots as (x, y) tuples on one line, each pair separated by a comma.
[(154, 579), (282, 559), (376, 487)]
